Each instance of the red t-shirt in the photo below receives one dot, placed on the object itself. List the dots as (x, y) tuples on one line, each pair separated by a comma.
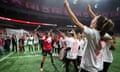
[(47, 43)]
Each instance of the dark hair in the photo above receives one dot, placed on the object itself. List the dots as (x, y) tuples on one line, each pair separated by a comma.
[(111, 33), (104, 25)]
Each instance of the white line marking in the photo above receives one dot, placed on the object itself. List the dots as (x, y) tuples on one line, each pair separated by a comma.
[(28, 56), (6, 57)]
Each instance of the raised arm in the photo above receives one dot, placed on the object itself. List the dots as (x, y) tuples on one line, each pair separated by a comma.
[(73, 17), (37, 28), (75, 35), (90, 11)]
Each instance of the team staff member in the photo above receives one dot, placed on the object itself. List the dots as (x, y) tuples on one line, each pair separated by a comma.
[(14, 42), (47, 49)]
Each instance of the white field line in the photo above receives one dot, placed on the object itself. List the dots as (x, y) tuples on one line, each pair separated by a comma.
[(28, 56), (6, 57)]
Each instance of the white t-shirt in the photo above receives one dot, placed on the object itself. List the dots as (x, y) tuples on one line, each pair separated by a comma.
[(36, 40), (30, 40), (62, 42), (83, 45), (73, 44), (92, 59), (69, 41), (107, 53), (55, 45)]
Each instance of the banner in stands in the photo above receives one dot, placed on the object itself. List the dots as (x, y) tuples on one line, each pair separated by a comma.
[(17, 32), (57, 7)]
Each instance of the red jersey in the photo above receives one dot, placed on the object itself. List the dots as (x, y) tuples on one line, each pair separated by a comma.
[(47, 43), (59, 37)]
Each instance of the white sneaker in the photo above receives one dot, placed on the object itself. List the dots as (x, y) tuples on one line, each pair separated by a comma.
[(41, 69)]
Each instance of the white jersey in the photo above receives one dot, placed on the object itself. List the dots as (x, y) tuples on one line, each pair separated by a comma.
[(107, 53), (73, 44), (82, 45), (92, 59)]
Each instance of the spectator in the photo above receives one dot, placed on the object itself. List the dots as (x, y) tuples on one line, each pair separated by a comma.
[(14, 42), (1, 46)]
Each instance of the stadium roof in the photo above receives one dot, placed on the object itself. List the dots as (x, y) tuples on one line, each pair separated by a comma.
[(52, 12)]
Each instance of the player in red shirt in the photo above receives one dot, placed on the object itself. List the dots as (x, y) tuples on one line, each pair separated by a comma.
[(47, 49)]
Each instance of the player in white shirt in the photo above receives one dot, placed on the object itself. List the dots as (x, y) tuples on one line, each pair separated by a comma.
[(92, 59), (82, 46), (107, 52), (30, 43), (72, 44), (36, 41), (62, 44)]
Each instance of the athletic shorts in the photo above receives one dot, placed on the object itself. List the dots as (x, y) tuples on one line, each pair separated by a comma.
[(45, 52)]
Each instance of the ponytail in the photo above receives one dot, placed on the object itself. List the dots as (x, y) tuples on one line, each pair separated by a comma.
[(104, 28), (107, 26), (104, 25)]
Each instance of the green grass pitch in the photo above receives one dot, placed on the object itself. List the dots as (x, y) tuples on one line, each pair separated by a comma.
[(27, 62)]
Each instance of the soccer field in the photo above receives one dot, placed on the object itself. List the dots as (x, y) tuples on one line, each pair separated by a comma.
[(19, 62)]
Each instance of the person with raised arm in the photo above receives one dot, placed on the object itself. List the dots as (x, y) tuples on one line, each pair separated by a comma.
[(109, 45), (47, 49), (72, 45), (91, 60)]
